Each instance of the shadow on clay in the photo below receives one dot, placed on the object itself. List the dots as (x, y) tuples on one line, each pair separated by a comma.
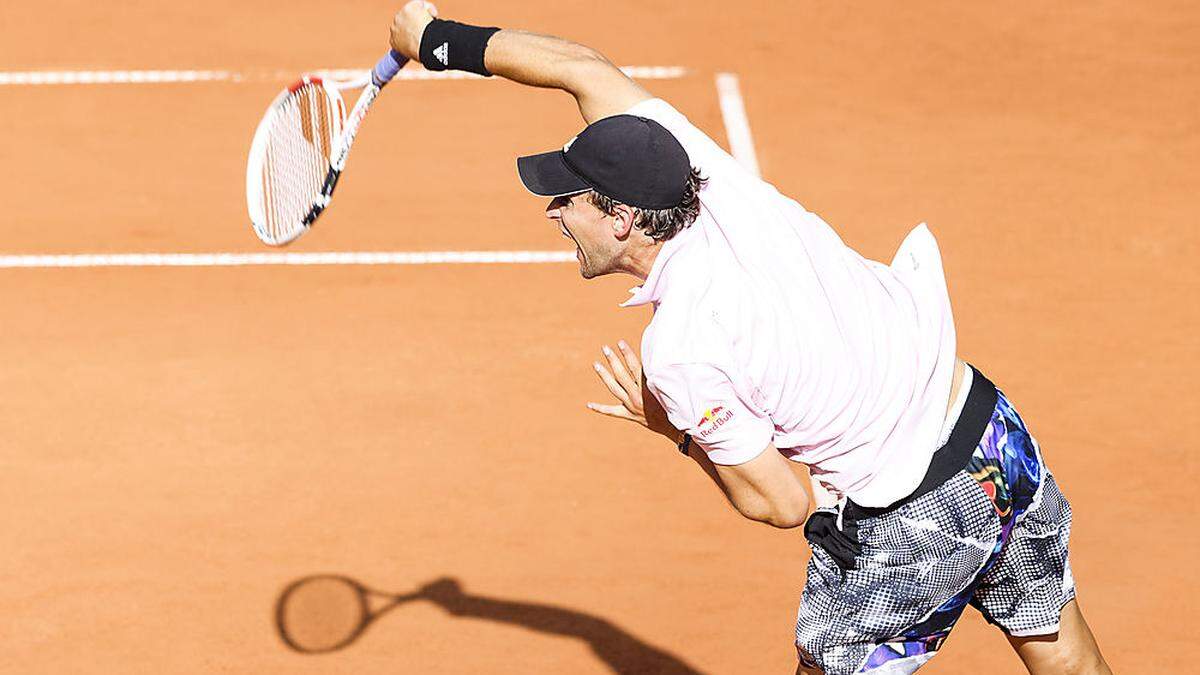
[(325, 613)]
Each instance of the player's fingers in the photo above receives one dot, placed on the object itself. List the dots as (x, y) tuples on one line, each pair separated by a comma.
[(631, 361), (616, 389), (420, 8), (612, 411), (621, 372)]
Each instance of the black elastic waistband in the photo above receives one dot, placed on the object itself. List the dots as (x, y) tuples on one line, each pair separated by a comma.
[(951, 457)]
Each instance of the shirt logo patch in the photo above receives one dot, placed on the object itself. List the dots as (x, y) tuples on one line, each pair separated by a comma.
[(714, 418)]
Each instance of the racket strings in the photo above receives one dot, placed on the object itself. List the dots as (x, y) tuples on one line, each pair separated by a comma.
[(323, 613), (297, 158)]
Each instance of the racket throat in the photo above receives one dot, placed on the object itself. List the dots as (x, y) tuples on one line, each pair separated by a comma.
[(331, 181)]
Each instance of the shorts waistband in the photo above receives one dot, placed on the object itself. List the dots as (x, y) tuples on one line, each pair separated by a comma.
[(953, 456)]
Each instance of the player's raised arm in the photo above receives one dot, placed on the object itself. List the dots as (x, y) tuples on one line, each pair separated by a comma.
[(599, 87)]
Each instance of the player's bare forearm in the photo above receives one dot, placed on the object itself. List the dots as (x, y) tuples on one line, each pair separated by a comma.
[(599, 87), (763, 489)]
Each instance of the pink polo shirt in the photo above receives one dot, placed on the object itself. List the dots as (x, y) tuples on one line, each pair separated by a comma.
[(768, 329)]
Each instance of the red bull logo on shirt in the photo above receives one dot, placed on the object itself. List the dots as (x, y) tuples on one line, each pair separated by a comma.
[(714, 418)]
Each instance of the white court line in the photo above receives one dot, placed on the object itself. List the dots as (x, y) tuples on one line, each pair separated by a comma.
[(113, 76), (737, 126), (636, 72), (53, 77), (279, 258)]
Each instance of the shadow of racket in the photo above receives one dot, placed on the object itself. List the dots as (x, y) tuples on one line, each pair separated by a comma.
[(324, 613), (327, 612)]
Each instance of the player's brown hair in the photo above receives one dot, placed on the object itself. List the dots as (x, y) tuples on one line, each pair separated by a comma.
[(660, 224)]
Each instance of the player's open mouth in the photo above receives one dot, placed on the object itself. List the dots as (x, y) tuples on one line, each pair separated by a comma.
[(567, 235)]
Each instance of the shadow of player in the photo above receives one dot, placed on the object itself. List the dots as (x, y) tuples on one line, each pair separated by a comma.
[(622, 652)]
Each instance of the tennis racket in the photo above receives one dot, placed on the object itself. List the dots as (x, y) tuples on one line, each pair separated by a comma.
[(328, 612), (300, 149)]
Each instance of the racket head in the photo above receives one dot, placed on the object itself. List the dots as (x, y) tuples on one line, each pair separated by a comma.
[(322, 613), (289, 169)]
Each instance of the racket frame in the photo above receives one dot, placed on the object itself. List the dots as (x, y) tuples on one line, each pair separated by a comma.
[(366, 615), (341, 149), (346, 129)]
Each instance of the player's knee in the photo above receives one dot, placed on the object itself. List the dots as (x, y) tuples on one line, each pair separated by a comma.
[(1067, 659), (807, 665), (1084, 662)]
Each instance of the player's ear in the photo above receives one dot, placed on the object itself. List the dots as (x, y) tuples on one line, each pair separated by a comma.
[(623, 219)]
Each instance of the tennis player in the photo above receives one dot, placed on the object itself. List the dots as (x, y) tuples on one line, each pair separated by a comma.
[(774, 345)]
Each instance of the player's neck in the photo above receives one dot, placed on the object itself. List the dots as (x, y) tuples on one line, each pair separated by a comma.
[(640, 257)]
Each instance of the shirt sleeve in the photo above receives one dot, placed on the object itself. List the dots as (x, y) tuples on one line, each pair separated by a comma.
[(703, 152), (699, 399)]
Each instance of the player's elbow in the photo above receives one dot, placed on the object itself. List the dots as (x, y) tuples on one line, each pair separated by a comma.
[(584, 67), (765, 488), (584, 55), (788, 517), (784, 513)]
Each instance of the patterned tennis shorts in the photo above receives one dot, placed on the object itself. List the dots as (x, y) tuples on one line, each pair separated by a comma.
[(884, 590)]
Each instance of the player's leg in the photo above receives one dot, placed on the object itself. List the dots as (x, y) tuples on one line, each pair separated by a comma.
[(883, 593), (802, 669), (1030, 591), (1070, 651), (886, 585)]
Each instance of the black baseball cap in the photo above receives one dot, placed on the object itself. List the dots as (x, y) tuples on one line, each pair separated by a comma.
[(631, 159)]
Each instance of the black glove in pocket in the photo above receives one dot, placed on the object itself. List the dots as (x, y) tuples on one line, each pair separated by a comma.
[(841, 545)]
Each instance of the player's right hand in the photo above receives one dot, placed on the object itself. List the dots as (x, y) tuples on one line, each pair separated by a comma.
[(624, 379), (409, 25)]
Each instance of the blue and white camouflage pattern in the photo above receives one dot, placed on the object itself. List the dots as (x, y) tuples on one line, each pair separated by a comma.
[(994, 536)]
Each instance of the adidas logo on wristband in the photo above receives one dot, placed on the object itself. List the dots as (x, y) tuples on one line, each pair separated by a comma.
[(442, 54)]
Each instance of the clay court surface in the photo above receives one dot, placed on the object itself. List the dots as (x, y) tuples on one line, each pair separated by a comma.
[(180, 444)]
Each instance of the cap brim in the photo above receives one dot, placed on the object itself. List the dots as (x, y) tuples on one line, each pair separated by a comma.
[(547, 175)]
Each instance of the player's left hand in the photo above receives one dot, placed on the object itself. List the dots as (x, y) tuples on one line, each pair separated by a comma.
[(621, 372)]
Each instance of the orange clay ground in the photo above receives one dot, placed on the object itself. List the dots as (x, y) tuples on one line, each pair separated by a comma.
[(178, 445)]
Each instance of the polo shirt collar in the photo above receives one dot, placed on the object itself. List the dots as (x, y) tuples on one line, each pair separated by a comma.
[(652, 288)]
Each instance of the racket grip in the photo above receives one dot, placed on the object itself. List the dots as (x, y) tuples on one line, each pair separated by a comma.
[(387, 67)]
